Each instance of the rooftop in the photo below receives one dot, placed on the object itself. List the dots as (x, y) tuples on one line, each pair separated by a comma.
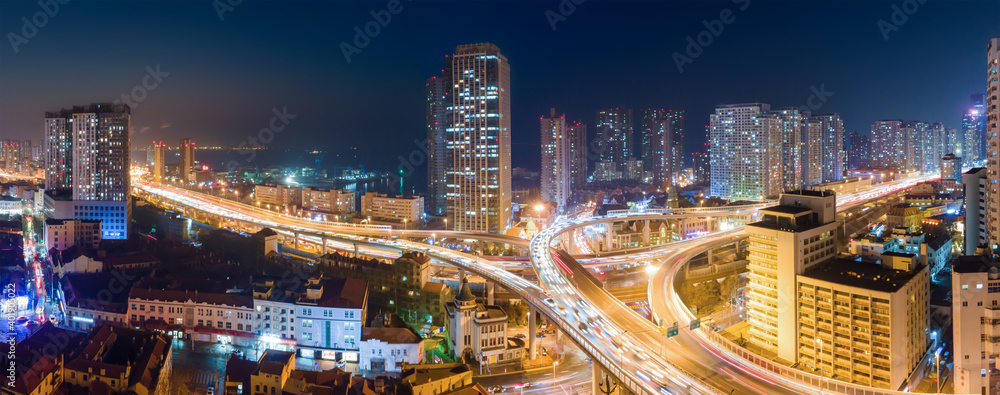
[(344, 293), (972, 264), (274, 361), (862, 275), (391, 335), (167, 295), (786, 209)]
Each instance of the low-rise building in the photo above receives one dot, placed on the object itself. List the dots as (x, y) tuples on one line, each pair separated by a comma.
[(39, 360), (329, 315), (845, 186), (122, 360), (393, 208), (905, 216), (94, 299), (436, 379), (478, 332), (328, 200), (387, 344), (278, 195), (274, 368), (199, 316), (274, 319)]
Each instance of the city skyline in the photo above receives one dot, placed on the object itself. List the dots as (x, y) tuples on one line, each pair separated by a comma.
[(199, 64)]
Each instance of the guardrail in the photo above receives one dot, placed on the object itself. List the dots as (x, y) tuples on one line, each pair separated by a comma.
[(694, 210)]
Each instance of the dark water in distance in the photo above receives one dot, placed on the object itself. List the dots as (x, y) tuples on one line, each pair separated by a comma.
[(216, 160)]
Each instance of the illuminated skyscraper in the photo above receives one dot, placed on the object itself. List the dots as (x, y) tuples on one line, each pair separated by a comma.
[(437, 184), (790, 124), (159, 163), (59, 150), (892, 145), (555, 159), (578, 152), (478, 139), (974, 131), (812, 152), (663, 145), (993, 140), (858, 149), (834, 155), (614, 135), (88, 160), (746, 142), (186, 166)]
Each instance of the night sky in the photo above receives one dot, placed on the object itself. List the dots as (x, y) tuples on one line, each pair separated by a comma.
[(226, 76)]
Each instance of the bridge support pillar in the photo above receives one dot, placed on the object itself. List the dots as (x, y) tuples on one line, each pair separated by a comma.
[(597, 377), (608, 226), (461, 278), (532, 334), (323, 249), (645, 234), (710, 255), (491, 289)]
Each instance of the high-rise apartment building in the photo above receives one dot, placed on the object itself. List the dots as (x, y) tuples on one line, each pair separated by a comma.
[(833, 153), (555, 159), (185, 168), (908, 145), (974, 183), (993, 140), (614, 135), (88, 158), (663, 145), (951, 169), (858, 150), (15, 156), (159, 161), (812, 152), (59, 150), (478, 139), (437, 183), (892, 145), (794, 236), (789, 121), (974, 131), (578, 152), (746, 142), (702, 166)]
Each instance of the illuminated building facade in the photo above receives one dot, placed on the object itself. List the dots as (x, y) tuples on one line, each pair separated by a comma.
[(746, 152), (556, 157), (478, 139)]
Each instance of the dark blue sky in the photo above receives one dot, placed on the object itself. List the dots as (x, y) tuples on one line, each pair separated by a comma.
[(226, 76)]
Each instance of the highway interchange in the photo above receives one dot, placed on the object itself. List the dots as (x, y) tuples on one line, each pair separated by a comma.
[(621, 342)]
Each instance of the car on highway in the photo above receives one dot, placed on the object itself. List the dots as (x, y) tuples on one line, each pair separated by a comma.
[(494, 389)]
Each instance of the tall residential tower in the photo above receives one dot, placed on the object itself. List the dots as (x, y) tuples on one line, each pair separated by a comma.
[(478, 139), (555, 159)]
